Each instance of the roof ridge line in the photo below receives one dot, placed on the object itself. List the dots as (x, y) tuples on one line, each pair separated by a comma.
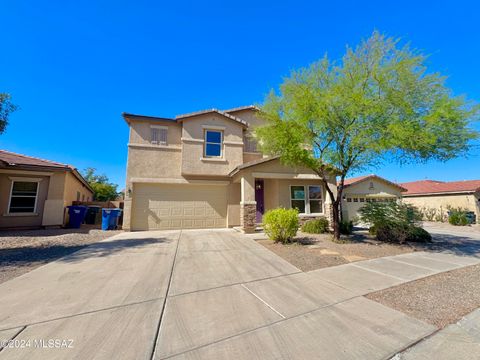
[(36, 158)]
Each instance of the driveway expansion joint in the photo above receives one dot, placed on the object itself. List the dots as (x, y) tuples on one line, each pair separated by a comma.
[(84, 313), (232, 284), (263, 301), (164, 305), (379, 272), (14, 336)]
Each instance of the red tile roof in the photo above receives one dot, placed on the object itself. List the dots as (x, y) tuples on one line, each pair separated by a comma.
[(19, 161), (358, 179), (434, 187), (11, 158), (354, 180)]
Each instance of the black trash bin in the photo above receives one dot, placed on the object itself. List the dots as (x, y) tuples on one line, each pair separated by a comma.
[(471, 217), (76, 216), (91, 216)]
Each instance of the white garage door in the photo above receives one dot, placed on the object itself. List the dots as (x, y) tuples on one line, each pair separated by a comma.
[(166, 206)]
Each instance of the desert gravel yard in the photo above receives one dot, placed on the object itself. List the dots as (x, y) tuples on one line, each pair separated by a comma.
[(22, 251), (440, 299), (316, 251)]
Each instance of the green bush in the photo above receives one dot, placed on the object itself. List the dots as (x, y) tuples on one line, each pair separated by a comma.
[(281, 224), (394, 222), (418, 234), (389, 213), (458, 217), (401, 234), (346, 227), (316, 226)]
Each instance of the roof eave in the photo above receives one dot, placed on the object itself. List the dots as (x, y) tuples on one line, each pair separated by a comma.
[(136, 117), (441, 193)]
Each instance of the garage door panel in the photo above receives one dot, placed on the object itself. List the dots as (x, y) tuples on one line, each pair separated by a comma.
[(157, 206)]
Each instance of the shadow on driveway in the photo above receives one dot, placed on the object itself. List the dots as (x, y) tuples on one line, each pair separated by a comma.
[(25, 256), (456, 244)]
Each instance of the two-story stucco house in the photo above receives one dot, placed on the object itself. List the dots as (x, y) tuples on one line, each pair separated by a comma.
[(203, 170)]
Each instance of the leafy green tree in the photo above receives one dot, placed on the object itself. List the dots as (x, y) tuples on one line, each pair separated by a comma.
[(103, 189), (6, 108), (377, 103)]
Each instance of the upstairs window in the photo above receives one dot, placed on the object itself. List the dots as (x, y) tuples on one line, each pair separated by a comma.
[(213, 143), (249, 143), (158, 135), (23, 198)]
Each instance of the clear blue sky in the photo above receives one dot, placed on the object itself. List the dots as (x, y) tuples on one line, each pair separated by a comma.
[(74, 67)]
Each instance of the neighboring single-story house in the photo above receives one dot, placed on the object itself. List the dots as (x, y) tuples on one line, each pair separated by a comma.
[(359, 190), (203, 170), (34, 192), (437, 196)]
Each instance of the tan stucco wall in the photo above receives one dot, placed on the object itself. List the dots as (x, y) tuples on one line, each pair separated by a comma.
[(233, 201), (140, 132), (247, 157), (193, 161), (11, 221), (72, 186), (361, 190), (441, 202), (250, 117), (153, 163)]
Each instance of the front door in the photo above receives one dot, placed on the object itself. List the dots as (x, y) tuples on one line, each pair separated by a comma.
[(259, 198)]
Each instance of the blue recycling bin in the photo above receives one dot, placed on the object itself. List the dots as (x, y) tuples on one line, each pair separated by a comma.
[(76, 215), (110, 218)]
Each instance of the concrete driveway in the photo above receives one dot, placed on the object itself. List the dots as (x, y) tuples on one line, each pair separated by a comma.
[(460, 240), (206, 295)]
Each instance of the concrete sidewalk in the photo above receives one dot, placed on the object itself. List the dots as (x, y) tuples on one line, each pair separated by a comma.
[(208, 295), (460, 341)]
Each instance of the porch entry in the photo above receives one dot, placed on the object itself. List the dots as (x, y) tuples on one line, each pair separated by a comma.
[(260, 199)]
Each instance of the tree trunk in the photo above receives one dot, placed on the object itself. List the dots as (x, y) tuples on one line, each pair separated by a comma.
[(336, 220)]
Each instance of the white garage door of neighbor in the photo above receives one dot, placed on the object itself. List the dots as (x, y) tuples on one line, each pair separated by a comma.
[(165, 206)]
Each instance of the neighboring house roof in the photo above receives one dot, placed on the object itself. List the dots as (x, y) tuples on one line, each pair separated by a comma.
[(223, 113), (424, 187), (14, 160), (359, 179)]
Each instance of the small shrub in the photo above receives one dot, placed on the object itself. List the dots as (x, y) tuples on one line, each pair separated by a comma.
[(392, 233), (346, 227), (401, 234), (458, 217), (418, 234), (316, 226), (281, 224), (429, 214)]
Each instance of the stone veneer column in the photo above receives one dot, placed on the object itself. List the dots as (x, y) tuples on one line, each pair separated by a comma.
[(248, 216), (329, 215)]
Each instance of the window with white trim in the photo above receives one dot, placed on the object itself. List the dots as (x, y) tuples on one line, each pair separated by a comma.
[(23, 198), (158, 135), (307, 202), (213, 143)]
